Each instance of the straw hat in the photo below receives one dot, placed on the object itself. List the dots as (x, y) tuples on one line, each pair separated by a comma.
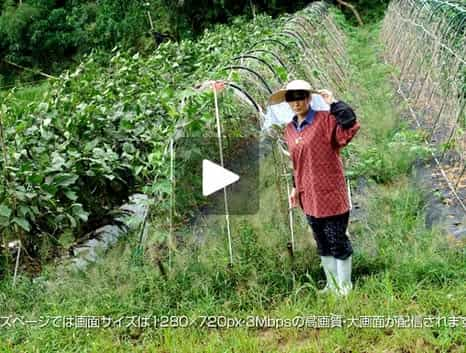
[(295, 85)]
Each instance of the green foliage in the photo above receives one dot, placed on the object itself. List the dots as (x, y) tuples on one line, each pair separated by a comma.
[(407, 147), (370, 10), (116, 23), (48, 34), (99, 132), (32, 34), (189, 16)]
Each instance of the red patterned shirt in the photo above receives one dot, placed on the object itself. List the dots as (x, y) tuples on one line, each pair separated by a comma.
[(318, 169)]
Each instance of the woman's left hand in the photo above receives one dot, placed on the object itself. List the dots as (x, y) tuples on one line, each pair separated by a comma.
[(327, 96)]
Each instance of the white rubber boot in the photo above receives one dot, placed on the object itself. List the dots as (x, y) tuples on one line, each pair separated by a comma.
[(330, 268), (344, 276)]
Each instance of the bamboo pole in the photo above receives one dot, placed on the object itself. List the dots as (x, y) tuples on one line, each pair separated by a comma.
[(30, 70)]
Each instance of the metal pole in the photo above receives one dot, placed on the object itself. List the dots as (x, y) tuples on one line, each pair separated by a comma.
[(290, 209), (18, 245), (225, 196), (172, 203)]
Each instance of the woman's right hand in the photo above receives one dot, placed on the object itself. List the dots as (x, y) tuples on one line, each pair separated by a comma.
[(293, 201)]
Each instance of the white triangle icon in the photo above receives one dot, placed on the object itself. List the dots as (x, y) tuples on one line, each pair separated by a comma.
[(215, 177)]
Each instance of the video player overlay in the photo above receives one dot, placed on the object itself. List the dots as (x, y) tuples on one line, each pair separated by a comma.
[(241, 157)]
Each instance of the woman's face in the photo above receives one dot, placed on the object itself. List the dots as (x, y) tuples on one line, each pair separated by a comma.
[(300, 107)]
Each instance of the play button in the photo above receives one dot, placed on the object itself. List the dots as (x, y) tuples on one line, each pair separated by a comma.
[(215, 177), (199, 176)]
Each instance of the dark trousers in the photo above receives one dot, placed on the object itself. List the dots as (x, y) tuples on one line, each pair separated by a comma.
[(330, 235)]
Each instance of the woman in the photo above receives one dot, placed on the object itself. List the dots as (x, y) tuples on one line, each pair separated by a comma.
[(314, 140)]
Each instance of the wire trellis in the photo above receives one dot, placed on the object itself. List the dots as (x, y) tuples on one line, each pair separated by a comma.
[(426, 40)]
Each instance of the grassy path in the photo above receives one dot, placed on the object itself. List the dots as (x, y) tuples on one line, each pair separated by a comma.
[(401, 269)]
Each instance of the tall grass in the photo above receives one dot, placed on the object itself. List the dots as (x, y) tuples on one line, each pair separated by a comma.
[(25, 95), (386, 148), (400, 268)]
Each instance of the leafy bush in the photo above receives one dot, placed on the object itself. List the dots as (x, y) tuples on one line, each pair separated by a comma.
[(99, 132), (406, 148), (49, 34)]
